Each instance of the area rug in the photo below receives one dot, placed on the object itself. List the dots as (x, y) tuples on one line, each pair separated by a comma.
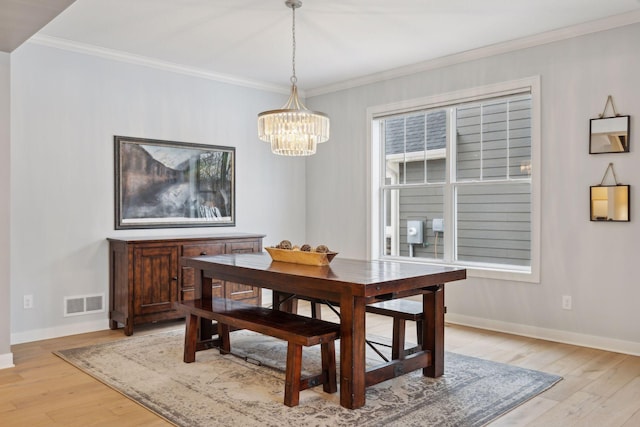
[(246, 388)]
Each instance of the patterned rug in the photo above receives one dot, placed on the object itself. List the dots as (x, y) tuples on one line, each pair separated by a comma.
[(246, 388)]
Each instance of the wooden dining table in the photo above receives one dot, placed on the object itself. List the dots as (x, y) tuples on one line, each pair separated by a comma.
[(352, 284)]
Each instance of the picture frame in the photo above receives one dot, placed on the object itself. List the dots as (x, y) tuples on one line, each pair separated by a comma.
[(170, 184)]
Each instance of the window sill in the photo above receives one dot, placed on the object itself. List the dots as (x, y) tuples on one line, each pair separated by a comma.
[(514, 275)]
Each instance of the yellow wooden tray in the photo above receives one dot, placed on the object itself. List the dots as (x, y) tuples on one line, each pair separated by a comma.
[(301, 257)]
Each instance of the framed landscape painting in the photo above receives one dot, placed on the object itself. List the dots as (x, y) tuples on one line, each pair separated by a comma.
[(167, 184)]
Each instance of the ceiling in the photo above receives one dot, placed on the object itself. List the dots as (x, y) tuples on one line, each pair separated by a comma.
[(20, 19), (337, 40)]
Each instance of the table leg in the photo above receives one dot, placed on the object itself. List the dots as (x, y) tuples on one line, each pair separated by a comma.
[(284, 302), (202, 290), (433, 330), (352, 352)]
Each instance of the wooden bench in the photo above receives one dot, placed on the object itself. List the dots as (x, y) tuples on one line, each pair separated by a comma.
[(400, 310), (402, 360), (297, 330)]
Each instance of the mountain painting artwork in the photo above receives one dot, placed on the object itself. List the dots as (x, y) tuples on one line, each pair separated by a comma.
[(167, 184)]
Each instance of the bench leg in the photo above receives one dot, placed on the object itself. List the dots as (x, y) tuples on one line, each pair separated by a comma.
[(293, 374), (190, 338), (329, 384), (225, 342), (316, 309), (397, 346)]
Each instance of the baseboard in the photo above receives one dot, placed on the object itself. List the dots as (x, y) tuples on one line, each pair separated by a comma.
[(583, 340), (59, 331), (566, 337), (6, 361)]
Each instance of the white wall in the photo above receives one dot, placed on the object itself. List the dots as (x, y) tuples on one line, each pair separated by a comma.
[(593, 262), (6, 358), (66, 107)]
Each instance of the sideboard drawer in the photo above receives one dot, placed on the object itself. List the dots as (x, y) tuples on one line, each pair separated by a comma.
[(217, 291), (243, 247), (203, 249)]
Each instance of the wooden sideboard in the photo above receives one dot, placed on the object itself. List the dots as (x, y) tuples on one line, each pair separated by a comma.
[(145, 277)]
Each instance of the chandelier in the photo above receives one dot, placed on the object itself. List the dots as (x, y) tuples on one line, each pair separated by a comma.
[(293, 130)]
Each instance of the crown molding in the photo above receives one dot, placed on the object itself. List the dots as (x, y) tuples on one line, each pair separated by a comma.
[(604, 24), (117, 55), (485, 52)]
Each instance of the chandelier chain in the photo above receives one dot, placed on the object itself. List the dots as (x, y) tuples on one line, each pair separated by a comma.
[(294, 79)]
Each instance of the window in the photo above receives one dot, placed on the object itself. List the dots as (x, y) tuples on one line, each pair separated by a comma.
[(454, 180)]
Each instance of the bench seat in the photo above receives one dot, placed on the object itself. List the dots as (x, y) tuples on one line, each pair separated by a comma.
[(297, 330), (400, 310)]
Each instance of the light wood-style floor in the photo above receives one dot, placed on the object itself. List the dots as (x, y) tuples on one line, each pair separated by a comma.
[(599, 388)]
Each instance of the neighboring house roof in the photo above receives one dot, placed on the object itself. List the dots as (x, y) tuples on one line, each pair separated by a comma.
[(414, 126)]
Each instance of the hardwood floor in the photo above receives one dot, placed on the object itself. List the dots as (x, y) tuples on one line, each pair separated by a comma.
[(599, 388)]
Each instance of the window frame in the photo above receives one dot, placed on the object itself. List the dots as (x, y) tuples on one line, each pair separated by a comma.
[(375, 161)]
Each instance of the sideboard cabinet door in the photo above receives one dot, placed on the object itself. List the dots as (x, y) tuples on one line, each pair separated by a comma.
[(155, 280)]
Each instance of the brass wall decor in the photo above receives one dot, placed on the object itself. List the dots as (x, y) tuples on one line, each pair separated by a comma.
[(610, 202)]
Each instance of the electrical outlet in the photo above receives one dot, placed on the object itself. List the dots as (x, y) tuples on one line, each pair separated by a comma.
[(566, 302), (28, 301)]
